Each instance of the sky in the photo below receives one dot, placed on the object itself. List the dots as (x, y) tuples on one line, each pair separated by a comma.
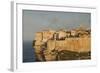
[(35, 21)]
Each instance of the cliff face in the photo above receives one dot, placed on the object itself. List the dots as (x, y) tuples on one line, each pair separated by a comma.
[(71, 44), (50, 44)]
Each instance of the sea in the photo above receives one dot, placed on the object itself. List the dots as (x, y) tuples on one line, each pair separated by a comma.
[(28, 52)]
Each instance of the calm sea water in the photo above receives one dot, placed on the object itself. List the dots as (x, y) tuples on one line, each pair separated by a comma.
[(28, 52)]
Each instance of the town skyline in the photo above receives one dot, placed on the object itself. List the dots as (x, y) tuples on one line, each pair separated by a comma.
[(34, 21)]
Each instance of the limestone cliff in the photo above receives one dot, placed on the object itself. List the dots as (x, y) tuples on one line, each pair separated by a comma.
[(49, 44)]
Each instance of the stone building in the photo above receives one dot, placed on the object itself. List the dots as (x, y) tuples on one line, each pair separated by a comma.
[(61, 35), (38, 36), (47, 35)]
